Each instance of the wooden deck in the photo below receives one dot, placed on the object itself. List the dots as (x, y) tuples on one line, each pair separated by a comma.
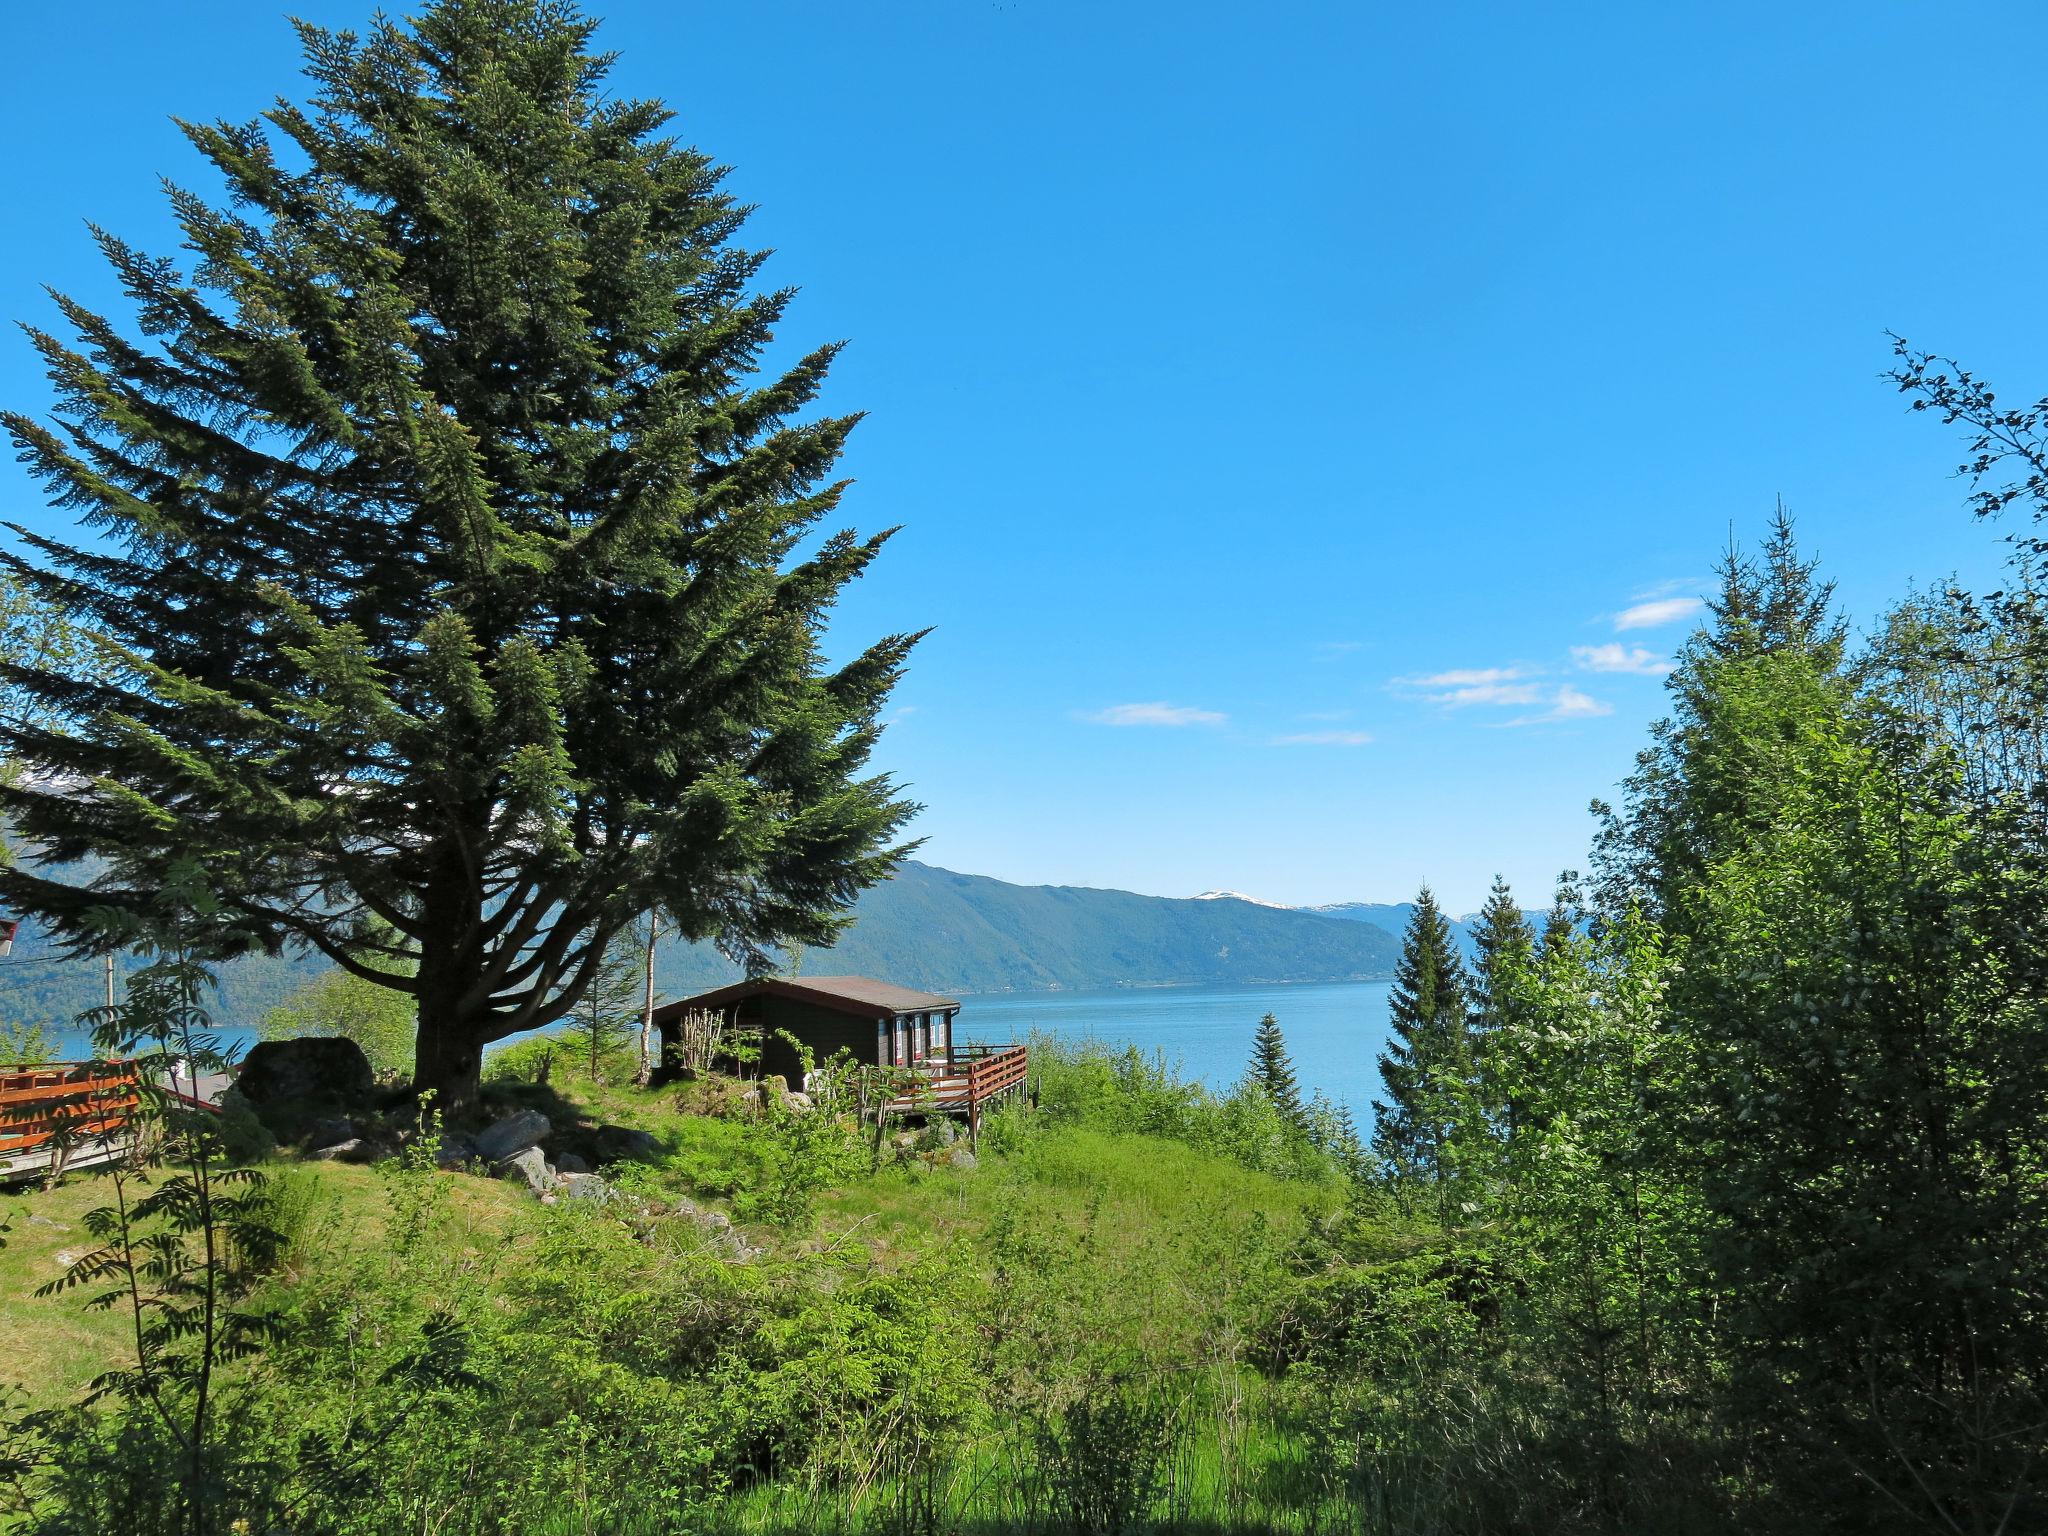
[(76, 1114), (65, 1115), (963, 1081)]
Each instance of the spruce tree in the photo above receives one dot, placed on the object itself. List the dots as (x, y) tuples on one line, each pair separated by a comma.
[(459, 572), (604, 1017), (1503, 945), (1273, 1072), (1687, 798), (1427, 1065)]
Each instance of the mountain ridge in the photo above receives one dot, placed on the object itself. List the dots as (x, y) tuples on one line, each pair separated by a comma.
[(935, 929)]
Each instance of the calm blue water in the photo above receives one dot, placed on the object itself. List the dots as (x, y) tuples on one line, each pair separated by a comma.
[(1334, 1030)]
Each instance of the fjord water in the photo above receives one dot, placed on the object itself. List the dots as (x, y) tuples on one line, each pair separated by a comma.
[(1334, 1029)]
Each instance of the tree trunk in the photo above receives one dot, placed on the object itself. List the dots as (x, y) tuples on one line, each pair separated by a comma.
[(646, 1073), (448, 1062), (448, 1051)]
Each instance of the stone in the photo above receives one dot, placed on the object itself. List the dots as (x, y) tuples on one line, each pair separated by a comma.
[(512, 1135), (800, 1102), (623, 1144), (585, 1186), (456, 1150), (569, 1163), (961, 1156), (318, 1067), (354, 1150), (331, 1132), (529, 1166)]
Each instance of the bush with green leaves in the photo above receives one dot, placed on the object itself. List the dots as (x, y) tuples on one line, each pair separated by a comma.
[(335, 1003)]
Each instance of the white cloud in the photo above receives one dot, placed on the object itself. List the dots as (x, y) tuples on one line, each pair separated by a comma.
[(1324, 739), (1155, 714), (1566, 704), (1657, 612), (1489, 693), (1464, 677), (1616, 657), (1462, 687)]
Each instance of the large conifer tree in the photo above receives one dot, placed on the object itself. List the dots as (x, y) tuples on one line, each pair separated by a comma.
[(1427, 1065), (1686, 798), (462, 574)]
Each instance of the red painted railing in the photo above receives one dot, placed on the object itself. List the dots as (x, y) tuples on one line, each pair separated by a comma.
[(65, 1102)]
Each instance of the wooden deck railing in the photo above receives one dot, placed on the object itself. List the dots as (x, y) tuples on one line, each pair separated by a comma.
[(64, 1111), (963, 1079)]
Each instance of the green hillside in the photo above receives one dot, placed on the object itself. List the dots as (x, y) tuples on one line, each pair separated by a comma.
[(936, 929), (928, 928)]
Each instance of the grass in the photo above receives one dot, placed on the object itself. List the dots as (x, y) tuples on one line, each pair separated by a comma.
[(1088, 1256)]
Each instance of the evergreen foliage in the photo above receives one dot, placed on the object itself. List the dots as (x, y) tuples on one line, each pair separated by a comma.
[(1272, 1071), (453, 569), (1684, 801), (607, 1017), (1426, 1068)]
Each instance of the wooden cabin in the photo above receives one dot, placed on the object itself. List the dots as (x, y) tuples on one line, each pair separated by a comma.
[(878, 1022), (881, 1023)]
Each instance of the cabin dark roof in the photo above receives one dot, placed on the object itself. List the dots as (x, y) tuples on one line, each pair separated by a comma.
[(862, 996)]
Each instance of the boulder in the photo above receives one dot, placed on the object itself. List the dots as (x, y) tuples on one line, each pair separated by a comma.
[(800, 1102), (507, 1138), (529, 1167), (319, 1067), (354, 1150), (585, 1186), (623, 1144), (961, 1156), (331, 1132), (569, 1163), (456, 1151)]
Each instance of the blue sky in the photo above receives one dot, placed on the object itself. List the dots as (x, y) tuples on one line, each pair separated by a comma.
[(1308, 422)]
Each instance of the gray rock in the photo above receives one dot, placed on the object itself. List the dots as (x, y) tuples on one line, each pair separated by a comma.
[(585, 1186), (455, 1151), (354, 1150), (569, 1163), (962, 1157), (529, 1166), (512, 1135), (716, 1221), (622, 1144), (800, 1102), (276, 1071), (329, 1133)]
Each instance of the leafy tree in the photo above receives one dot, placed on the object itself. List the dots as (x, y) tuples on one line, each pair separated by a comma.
[(1598, 1219), (1273, 1072), (340, 1004), (464, 577), (604, 1019), (1865, 1001), (1427, 1065)]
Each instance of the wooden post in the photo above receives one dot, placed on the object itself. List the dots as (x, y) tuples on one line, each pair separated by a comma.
[(646, 1073), (973, 1112)]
